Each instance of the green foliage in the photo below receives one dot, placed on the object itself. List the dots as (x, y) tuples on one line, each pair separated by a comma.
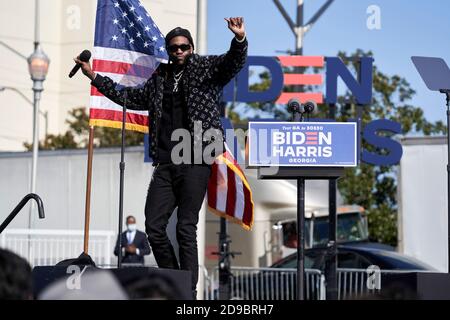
[(77, 136)]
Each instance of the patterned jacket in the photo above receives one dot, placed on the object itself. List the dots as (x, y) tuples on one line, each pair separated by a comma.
[(203, 82)]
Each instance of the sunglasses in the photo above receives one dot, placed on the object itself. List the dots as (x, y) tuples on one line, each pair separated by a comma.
[(175, 47)]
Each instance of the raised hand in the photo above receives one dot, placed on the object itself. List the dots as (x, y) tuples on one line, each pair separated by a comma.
[(236, 25)]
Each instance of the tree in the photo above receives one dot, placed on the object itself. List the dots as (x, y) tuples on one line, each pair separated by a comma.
[(373, 187), (77, 136)]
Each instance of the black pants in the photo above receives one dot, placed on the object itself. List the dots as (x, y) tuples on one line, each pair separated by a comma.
[(183, 186)]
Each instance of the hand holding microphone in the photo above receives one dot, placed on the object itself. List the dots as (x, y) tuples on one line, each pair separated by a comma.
[(82, 61)]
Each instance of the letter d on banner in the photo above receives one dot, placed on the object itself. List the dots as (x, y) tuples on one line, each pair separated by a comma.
[(243, 93)]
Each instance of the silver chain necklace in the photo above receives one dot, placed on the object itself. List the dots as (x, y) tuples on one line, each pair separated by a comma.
[(176, 78)]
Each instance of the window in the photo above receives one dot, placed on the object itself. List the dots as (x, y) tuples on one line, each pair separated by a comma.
[(351, 260), (292, 263)]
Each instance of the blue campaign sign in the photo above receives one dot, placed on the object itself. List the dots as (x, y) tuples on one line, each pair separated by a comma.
[(302, 144)]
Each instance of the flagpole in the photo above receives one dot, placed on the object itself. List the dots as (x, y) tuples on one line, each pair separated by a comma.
[(87, 211)]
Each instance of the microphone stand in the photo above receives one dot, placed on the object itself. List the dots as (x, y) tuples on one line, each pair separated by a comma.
[(297, 116), (122, 173), (447, 95)]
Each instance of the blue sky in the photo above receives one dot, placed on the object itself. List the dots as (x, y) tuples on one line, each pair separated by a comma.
[(408, 27)]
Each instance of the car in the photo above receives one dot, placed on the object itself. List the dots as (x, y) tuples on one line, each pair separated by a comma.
[(356, 256), (279, 280)]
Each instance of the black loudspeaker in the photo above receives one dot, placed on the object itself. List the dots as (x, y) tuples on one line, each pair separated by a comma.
[(138, 282), (415, 286)]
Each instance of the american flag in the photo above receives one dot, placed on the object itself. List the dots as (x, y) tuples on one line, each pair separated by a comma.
[(229, 193), (128, 47)]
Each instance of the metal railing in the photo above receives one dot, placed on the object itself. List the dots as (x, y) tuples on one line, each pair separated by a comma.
[(249, 283), (279, 284), (353, 283), (47, 247)]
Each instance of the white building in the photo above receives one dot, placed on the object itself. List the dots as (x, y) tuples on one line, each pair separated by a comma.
[(66, 29)]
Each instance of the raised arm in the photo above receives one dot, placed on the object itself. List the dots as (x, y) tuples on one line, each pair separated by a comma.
[(225, 67)]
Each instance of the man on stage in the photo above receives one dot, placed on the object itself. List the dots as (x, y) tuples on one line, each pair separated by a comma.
[(180, 95)]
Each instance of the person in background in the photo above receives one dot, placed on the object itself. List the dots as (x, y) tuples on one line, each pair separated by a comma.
[(15, 277), (134, 244)]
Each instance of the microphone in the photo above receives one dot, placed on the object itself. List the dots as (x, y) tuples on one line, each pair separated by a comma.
[(294, 106), (84, 56), (309, 106)]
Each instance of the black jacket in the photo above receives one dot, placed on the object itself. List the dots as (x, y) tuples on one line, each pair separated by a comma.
[(141, 243), (203, 82)]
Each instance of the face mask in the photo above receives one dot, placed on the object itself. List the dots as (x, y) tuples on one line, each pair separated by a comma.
[(131, 227)]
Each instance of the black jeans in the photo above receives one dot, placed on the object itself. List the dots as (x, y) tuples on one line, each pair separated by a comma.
[(183, 186)]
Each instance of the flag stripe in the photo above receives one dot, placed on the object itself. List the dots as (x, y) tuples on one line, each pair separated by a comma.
[(113, 115), (212, 187), (110, 66), (229, 156), (117, 77), (119, 55), (222, 190), (118, 125), (248, 210), (236, 168), (231, 192), (240, 198), (102, 102), (96, 93), (239, 208)]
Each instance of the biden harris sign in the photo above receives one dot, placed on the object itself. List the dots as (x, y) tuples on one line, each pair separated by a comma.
[(378, 135), (309, 144)]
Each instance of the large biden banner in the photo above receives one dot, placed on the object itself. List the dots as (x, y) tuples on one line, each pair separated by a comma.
[(311, 144)]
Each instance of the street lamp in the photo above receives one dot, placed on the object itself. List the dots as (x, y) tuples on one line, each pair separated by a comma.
[(44, 114), (38, 64)]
